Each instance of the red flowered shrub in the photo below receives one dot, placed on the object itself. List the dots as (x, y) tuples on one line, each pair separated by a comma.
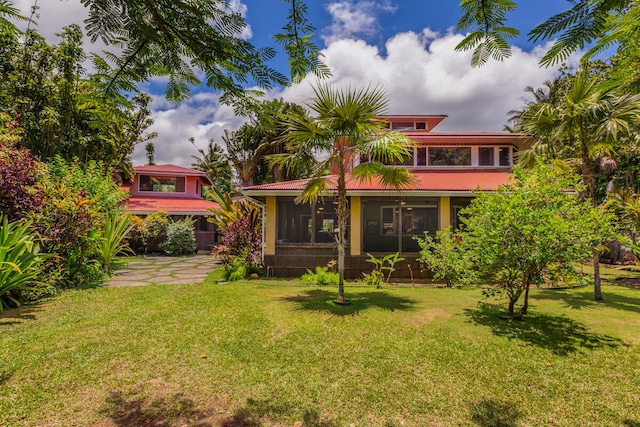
[(19, 174)]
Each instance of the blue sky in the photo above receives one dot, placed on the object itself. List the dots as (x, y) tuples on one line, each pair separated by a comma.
[(406, 46)]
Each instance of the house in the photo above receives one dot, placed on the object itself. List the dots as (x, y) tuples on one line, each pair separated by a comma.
[(176, 190), (448, 167)]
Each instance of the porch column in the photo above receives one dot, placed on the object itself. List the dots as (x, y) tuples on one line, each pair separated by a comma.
[(355, 233), (445, 212), (270, 226)]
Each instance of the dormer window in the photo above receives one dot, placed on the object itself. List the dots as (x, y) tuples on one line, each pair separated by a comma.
[(161, 184)]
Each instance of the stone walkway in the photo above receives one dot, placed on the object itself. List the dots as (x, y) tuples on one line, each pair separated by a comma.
[(163, 270)]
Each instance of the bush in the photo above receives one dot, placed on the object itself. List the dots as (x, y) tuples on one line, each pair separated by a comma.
[(321, 277), (181, 239), (92, 177), (447, 257), (148, 231), (69, 229), (387, 263), (19, 174)]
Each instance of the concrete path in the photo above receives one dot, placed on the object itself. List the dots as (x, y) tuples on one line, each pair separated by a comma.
[(163, 270)]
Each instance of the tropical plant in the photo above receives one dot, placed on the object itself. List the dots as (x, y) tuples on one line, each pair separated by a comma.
[(181, 239), (112, 241), (381, 265), (321, 277), (19, 263), (344, 126), (68, 226)]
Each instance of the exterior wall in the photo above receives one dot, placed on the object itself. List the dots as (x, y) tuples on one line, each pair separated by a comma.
[(355, 216), (191, 184), (270, 226), (291, 261)]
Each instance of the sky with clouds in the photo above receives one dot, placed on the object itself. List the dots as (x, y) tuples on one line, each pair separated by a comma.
[(406, 46)]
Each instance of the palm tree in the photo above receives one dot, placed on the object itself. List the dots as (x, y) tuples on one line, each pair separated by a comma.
[(590, 122), (342, 127), (214, 162)]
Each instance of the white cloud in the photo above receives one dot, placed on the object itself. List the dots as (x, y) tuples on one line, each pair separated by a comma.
[(202, 118), (422, 74), (351, 19), (420, 71)]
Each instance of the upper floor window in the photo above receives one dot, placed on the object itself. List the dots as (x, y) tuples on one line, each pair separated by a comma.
[(449, 156), (162, 184)]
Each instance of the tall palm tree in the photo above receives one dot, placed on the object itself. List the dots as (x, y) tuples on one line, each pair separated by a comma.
[(214, 162), (342, 127), (590, 122)]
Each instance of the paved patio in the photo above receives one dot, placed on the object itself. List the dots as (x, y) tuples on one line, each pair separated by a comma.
[(163, 270)]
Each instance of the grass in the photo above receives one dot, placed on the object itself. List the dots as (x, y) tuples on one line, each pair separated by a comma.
[(252, 354)]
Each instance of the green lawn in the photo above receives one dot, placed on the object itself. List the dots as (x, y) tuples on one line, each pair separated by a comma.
[(251, 354)]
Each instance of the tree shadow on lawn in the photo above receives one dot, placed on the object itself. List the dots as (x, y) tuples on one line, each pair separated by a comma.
[(320, 300), (5, 376), (631, 423), (24, 312), (578, 301), (557, 334), (257, 411), (489, 413), (170, 410)]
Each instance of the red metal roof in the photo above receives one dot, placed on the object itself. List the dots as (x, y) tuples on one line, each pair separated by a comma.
[(171, 170), (425, 181), (177, 206)]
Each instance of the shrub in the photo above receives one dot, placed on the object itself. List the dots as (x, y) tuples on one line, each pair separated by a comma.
[(69, 228), (321, 277), (181, 239), (92, 177), (19, 174), (447, 257), (148, 231)]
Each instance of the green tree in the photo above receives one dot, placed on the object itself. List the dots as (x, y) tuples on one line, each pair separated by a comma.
[(175, 38), (588, 124), (542, 231), (262, 136), (214, 163), (343, 126), (606, 23)]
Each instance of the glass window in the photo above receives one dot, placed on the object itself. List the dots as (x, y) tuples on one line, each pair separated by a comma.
[(485, 156), (421, 154), (504, 154), (454, 156), (402, 125), (408, 160), (162, 184), (302, 223), (421, 125)]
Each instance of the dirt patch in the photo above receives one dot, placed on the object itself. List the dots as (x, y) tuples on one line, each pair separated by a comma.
[(428, 316)]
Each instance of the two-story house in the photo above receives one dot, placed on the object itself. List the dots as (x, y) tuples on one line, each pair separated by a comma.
[(448, 167), (176, 190)]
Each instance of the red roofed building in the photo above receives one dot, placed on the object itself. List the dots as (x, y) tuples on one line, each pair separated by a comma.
[(448, 167), (176, 190)]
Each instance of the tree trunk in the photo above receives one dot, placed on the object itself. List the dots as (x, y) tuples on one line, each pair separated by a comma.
[(525, 306), (342, 214), (512, 303), (597, 289)]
